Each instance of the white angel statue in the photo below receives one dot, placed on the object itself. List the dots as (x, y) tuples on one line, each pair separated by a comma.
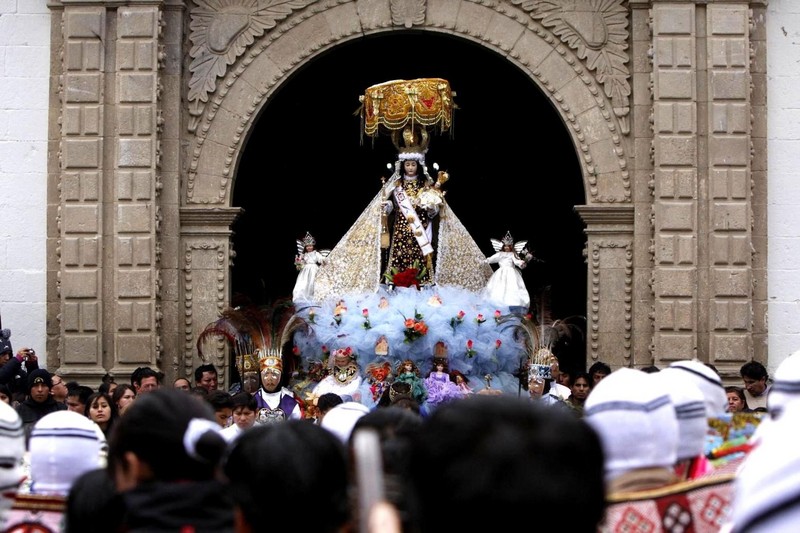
[(506, 285), (307, 261)]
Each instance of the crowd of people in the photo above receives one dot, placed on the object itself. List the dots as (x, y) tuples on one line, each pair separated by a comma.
[(627, 447)]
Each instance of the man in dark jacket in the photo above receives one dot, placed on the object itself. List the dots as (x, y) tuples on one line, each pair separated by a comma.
[(39, 401), (12, 372)]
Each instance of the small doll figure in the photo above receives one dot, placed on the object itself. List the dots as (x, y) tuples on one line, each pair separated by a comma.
[(379, 376), (307, 261), (461, 381), (440, 388), (506, 285), (407, 372), (344, 378)]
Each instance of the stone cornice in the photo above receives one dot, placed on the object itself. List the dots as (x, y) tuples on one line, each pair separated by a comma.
[(594, 215), (207, 219)]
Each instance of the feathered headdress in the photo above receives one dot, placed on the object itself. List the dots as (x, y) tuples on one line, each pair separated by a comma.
[(259, 335), (541, 333)]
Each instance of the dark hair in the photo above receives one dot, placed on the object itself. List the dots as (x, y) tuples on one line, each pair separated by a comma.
[(739, 391), (584, 375), (302, 462), (200, 370), (145, 372), (599, 366), (396, 427), (5, 389), (495, 452), (651, 369), (114, 412), (82, 392), (219, 399), (93, 504), (108, 377), (328, 401), (153, 429), (753, 370), (244, 399), (119, 392)]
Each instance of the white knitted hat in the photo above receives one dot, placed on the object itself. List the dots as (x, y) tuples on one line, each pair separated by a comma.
[(341, 419), (709, 383), (690, 409), (633, 414), (767, 486), (12, 450), (63, 445), (785, 385)]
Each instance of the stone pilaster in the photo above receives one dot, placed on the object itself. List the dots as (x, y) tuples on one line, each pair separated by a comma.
[(609, 309), (729, 237), (82, 185), (205, 242), (135, 221), (675, 204)]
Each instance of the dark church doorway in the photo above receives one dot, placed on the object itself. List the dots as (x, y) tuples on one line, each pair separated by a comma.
[(512, 164)]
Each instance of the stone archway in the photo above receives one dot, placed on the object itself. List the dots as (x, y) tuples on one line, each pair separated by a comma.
[(549, 47), (664, 101)]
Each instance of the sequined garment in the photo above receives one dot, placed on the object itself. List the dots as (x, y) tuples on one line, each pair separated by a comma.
[(354, 264), (404, 252)]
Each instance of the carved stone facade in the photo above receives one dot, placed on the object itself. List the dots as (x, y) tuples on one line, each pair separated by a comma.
[(153, 99)]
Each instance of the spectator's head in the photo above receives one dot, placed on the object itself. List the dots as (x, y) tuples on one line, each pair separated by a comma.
[(59, 389), (123, 396), (77, 398), (5, 346), (166, 435), (182, 384), (302, 463), (736, 399), (5, 394), (503, 452), (63, 445), (222, 404), (598, 371), (244, 410), (145, 379), (205, 376), (39, 384), (709, 383), (325, 403), (786, 385), (754, 375), (635, 418), (101, 410)]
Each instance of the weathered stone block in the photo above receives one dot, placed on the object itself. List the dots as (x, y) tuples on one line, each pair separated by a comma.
[(134, 283), (134, 218), (81, 218), (731, 282)]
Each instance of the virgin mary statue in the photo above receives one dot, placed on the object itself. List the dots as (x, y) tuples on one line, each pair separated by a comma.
[(408, 226)]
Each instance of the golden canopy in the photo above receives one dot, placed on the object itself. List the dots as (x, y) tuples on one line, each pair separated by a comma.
[(398, 103)]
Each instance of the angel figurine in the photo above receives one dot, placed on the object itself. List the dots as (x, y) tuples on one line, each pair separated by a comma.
[(506, 286), (307, 261)]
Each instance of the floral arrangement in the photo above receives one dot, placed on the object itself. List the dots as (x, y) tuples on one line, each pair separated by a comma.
[(470, 350), (497, 316), (415, 328), (365, 314), (298, 262), (457, 320), (344, 352), (497, 344), (480, 318), (408, 277)]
